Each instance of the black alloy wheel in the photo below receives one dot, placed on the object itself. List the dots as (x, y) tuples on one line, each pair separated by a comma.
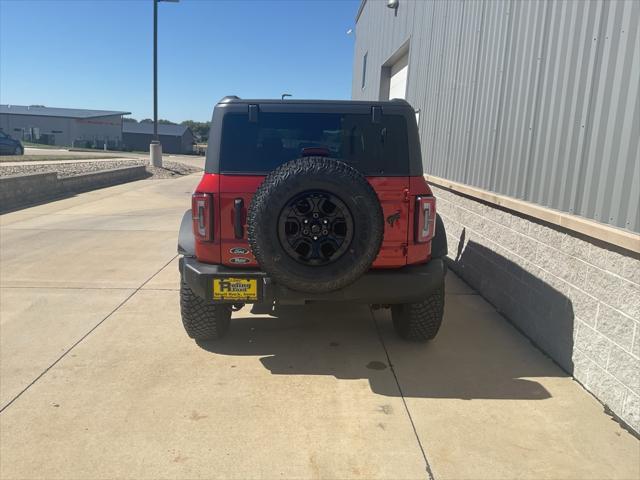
[(315, 228)]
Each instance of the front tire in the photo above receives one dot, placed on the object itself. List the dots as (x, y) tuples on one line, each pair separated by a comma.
[(18, 151), (203, 319), (419, 322)]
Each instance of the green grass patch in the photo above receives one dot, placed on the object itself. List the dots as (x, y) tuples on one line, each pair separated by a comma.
[(40, 145)]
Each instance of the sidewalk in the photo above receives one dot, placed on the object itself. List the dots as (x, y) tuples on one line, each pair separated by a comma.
[(98, 379)]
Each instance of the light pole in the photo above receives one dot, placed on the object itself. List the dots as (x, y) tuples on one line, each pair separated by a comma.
[(155, 149)]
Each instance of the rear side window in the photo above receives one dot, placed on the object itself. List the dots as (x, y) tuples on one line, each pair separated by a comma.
[(259, 147)]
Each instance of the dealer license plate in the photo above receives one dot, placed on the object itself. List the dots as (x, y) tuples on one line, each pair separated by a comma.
[(235, 289)]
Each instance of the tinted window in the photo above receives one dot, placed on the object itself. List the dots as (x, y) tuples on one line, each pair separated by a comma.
[(259, 147)]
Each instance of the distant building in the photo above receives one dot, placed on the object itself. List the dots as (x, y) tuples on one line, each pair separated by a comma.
[(63, 126), (174, 138)]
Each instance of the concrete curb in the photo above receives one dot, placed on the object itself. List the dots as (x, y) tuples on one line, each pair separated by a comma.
[(20, 191)]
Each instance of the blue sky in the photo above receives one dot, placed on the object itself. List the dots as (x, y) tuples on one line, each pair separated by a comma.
[(98, 54)]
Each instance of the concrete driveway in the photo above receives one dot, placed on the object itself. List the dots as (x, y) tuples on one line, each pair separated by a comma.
[(98, 379)]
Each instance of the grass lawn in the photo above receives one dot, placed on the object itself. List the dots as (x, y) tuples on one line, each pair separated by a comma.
[(40, 145)]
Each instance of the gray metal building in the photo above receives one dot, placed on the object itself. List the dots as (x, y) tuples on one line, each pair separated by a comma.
[(529, 118), (63, 126), (174, 138), (538, 100)]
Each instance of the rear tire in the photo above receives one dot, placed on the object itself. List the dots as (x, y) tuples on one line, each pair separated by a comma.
[(203, 319), (419, 322), (18, 151)]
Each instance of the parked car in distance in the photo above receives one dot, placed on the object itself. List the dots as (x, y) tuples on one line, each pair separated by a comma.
[(312, 201), (10, 146)]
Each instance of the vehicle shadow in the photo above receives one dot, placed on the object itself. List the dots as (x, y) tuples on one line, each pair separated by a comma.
[(535, 304), (477, 354)]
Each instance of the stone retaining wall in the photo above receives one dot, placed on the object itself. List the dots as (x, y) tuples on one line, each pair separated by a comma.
[(23, 190), (577, 298)]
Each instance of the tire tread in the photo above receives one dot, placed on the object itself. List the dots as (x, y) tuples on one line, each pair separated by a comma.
[(202, 319), (419, 321)]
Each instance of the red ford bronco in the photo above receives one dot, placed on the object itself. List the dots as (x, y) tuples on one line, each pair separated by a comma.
[(309, 201)]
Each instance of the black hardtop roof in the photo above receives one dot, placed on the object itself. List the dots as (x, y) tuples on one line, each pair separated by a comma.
[(236, 105)]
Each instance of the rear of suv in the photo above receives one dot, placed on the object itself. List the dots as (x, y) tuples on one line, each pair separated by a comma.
[(312, 201)]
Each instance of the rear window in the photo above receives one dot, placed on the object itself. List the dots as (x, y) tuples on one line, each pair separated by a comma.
[(259, 147)]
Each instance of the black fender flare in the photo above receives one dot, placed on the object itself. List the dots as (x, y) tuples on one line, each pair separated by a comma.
[(439, 247), (186, 242)]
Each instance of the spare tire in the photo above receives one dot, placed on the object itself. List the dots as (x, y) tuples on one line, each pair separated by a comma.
[(315, 224)]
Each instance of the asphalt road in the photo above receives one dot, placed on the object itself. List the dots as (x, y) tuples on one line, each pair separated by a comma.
[(98, 379)]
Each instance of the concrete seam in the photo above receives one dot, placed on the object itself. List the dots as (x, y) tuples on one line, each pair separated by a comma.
[(430, 474), (161, 289), (40, 229), (44, 372), (66, 288), (88, 214)]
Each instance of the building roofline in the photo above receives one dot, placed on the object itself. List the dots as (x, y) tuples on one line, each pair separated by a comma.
[(57, 112), (99, 116), (65, 116), (360, 9)]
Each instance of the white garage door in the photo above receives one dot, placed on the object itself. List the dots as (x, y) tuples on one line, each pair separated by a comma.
[(398, 80)]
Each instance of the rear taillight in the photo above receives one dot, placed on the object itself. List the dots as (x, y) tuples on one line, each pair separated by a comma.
[(202, 214), (425, 219)]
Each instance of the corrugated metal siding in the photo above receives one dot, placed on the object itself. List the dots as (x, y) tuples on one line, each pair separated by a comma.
[(534, 99)]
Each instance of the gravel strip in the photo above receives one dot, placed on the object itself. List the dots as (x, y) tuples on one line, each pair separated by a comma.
[(53, 158), (170, 170)]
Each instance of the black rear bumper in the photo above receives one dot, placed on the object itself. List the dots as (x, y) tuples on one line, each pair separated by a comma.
[(403, 285)]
